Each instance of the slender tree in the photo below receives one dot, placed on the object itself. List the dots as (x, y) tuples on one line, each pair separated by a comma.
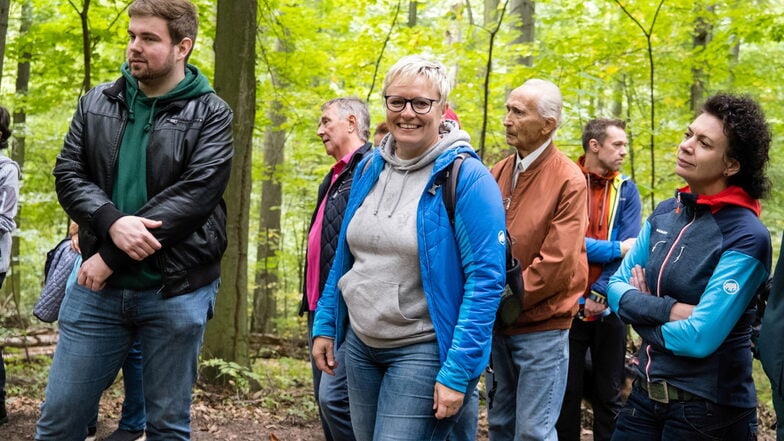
[(235, 81), (84, 14), (20, 121), (269, 235), (524, 25), (5, 9), (648, 32), (488, 71), (702, 35)]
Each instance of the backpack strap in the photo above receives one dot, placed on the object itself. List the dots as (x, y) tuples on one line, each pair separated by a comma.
[(449, 193)]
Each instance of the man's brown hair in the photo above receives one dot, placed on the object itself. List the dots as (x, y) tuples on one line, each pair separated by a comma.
[(597, 129), (181, 16)]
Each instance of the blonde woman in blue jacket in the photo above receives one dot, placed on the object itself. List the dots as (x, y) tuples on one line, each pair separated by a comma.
[(412, 297)]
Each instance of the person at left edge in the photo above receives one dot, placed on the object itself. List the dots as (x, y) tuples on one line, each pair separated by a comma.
[(9, 196), (142, 171), (410, 297), (344, 129)]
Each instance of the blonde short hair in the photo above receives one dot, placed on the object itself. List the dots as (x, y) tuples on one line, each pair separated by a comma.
[(413, 66)]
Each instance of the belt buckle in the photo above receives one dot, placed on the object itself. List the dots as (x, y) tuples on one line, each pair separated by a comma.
[(657, 391)]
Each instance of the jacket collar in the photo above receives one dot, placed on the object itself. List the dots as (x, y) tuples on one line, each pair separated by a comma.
[(732, 195)]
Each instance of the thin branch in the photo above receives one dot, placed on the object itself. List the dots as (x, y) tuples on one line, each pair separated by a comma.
[(383, 48), (486, 86), (651, 82)]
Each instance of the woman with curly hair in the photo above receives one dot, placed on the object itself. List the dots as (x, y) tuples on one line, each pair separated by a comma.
[(688, 283)]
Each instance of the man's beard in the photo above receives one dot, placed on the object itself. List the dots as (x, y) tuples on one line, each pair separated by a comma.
[(145, 75)]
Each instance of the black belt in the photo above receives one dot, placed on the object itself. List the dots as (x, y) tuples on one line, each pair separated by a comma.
[(663, 392)]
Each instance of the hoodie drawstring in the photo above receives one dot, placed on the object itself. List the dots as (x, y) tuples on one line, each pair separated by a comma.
[(148, 126), (399, 194), (383, 191)]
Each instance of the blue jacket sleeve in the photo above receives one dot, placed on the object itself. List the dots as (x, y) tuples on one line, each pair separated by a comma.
[(633, 306), (727, 295), (482, 250)]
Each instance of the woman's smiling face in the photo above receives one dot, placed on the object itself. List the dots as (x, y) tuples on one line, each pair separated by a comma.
[(414, 133)]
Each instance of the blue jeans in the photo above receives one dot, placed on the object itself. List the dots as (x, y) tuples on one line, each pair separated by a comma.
[(643, 419), (529, 379), (333, 400), (604, 340), (133, 416), (331, 394), (391, 392), (97, 329), (466, 426)]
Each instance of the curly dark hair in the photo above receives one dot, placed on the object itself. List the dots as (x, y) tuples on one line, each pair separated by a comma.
[(749, 140), (5, 127)]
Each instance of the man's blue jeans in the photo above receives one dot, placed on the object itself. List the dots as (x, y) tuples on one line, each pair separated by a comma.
[(529, 377), (97, 329), (331, 394), (643, 419), (133, 417), (391, 392), (466, 426), (333, 400)]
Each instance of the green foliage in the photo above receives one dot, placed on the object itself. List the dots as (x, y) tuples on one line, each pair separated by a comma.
[(237, 376), (25, 377), (281, 390)]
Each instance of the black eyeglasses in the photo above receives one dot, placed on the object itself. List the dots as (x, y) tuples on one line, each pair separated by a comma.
[(419, 104)]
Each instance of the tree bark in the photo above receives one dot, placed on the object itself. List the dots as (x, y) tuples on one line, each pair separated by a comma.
[(412, 13), (524, 24), (5, 8), (702, 35), (264, 302), (235, 81), (18, 152)]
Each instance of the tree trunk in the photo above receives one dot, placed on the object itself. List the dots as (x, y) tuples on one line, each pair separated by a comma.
[(266, 287), (20, 120), (412, 13), (5, 7), (490, 12), (523, 13), (702, 35), (235, 66), (264, 303), (83, 19)]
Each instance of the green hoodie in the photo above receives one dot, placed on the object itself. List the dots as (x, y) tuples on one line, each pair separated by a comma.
[(130, 184)]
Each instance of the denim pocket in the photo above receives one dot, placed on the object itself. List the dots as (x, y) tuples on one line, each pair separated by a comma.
[(720, 422)]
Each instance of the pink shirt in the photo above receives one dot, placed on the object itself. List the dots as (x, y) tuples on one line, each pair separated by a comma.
[(314, 239)]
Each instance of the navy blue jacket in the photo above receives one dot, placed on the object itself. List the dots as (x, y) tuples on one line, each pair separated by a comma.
[(708, 251)]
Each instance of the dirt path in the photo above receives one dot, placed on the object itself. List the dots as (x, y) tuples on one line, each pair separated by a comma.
[(211, 422)]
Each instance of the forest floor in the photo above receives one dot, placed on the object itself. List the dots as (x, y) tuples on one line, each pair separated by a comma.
[(279, 405)]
